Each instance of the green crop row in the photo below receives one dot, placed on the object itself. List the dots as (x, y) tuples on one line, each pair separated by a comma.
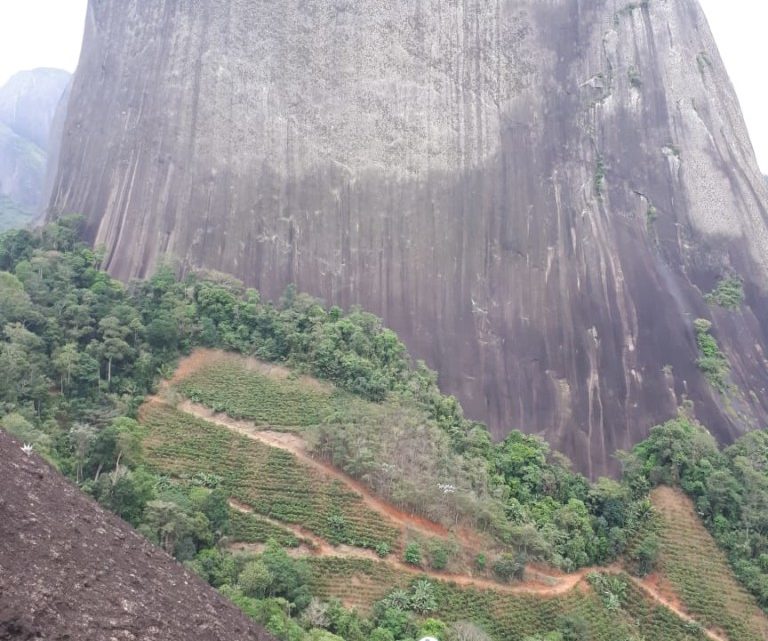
[(657, 622), (250, 528), (703, 580), (243, 393)]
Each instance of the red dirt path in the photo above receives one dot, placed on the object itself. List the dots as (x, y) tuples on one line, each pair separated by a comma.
[(296, 446), (652, 586)]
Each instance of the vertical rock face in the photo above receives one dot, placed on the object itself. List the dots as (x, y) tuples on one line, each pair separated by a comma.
[(536, 195)]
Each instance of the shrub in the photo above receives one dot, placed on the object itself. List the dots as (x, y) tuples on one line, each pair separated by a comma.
[(468, 631), (646, 555), (574, 628), (439, 555), (510, 567), (438, 559), (434, 628), (255, 579), (213, 566), (398, 622), (611, 589), (397, 599), (289, 576), (315, 615), (383, 549), (729, 293), (412, 554), (322, 635), (422, 597), (712, 363), (381, 634), (337, 525)]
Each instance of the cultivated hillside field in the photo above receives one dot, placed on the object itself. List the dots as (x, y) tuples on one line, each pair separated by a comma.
[(253, 427)]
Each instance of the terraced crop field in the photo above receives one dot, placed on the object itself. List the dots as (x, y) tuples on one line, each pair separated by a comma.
[(508, 617), (694, 575), (251, 528), (699, 573), (270, 481), (243, 392), (657, 622), (360, 583)]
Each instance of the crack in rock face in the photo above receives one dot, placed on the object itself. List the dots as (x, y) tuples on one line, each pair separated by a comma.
[(536, 196)]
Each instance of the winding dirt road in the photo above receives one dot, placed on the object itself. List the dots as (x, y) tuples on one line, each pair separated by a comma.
[(538, 583), (315, 546), (662, 600), (319, 547)]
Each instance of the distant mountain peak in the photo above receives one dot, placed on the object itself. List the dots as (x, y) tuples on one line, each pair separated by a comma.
[(28, 105), (28, 102)]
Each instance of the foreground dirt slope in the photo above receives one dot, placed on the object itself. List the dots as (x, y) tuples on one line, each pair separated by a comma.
[(70, 570)]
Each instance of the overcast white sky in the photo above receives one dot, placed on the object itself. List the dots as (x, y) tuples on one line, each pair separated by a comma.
[(740, 30), (40, 33), (47, 33)]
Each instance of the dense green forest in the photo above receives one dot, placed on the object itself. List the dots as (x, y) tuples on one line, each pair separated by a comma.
[(79, 352)]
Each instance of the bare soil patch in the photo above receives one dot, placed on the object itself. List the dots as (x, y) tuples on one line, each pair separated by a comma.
[(203, 357)]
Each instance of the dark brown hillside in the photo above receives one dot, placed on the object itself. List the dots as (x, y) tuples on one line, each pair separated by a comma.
[(70, 570)]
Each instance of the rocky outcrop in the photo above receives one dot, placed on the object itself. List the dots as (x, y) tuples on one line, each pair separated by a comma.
[(535, 195), (28, 103), (70, 570)]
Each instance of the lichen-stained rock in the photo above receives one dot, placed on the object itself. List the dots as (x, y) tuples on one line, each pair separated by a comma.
[(71, 570), (536, 195)]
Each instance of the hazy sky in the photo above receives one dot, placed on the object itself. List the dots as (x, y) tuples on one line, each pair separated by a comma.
[(40, 33), (47, 33), (740, 30)]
